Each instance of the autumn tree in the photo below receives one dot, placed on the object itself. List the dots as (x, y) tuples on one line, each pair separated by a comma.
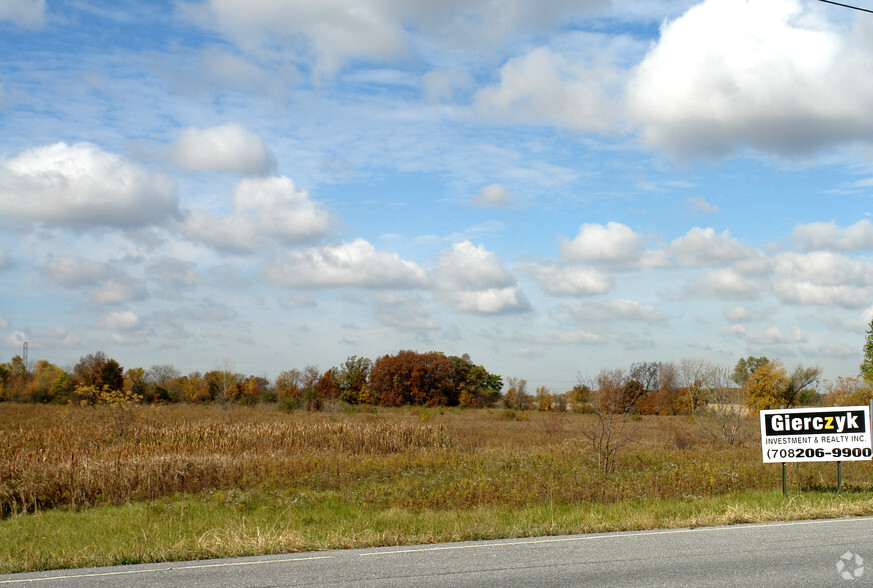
[(476, 387), (414, 378), (516, 396), (89, 370), (223, 383), (613, 427), (15, 379), (48, 382), (770, 386), (544, 398)]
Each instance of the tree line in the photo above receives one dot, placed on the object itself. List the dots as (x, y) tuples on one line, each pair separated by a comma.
[(687, 387), (407, 378)]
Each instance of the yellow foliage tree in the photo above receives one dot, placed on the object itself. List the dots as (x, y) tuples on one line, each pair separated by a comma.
[(765, 388)]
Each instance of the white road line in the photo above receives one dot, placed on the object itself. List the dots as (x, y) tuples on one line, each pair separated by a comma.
[(613, 535), (169, 569)]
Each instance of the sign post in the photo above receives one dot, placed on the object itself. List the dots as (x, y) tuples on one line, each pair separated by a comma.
[(816, 434)]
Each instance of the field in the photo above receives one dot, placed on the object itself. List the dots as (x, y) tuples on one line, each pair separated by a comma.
[(119, 484)]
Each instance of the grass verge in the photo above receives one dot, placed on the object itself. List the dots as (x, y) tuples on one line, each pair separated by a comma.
[(241, 523)]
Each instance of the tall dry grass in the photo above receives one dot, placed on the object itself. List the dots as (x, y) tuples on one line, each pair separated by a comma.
[(66, 456)]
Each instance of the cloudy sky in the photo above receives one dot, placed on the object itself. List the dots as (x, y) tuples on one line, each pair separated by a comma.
[(552, 187)]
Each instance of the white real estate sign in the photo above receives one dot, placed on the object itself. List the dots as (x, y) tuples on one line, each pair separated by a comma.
[(816, 434)]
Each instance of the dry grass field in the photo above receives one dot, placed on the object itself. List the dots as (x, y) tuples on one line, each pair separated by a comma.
[(65, 456), (342, 479)]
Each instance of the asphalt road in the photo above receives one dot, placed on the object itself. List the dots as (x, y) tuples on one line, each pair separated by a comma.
[(804, 553)]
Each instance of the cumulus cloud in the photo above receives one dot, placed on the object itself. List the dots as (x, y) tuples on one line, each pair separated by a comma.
[(228, 147), (356, 264), (472, 279), (123, 320), (856, 237), (739, 314), (102, 283), (611, 244), (569, 280), (493, 196), (726, 283), (544, 87), (27, 14), (81, 186), (703, 247), (823, 278), (262, 207), (769, 74), (73, 272)]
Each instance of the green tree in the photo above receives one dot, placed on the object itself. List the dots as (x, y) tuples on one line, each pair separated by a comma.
[(746, 367), (867, 362), (351, 377), (112, 376)]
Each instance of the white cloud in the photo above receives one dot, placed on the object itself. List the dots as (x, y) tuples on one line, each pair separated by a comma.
[(856, 237), (472, 279), (330, 33), (770, 74), (118, 290), (355, 264), (824, 267), (73, 272), (572, 337), (703, 247), (261, 207), (82, 186), (404, 312), (726, 283), (616, 310), (569, 280), (123, 320), (614, 243), (54, 337), (823, 278), (228, 147), (471, 267), (493, 195), (700, 205), (27, 14), (544, 87), (105, 284), (770, 336), (739, 314)]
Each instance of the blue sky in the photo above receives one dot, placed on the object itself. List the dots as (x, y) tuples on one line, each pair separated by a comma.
[(554, 188)]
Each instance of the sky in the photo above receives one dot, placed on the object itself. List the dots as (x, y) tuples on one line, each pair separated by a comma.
[(554, 188)]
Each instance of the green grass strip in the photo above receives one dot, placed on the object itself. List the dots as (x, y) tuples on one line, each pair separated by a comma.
[(235, 523)]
